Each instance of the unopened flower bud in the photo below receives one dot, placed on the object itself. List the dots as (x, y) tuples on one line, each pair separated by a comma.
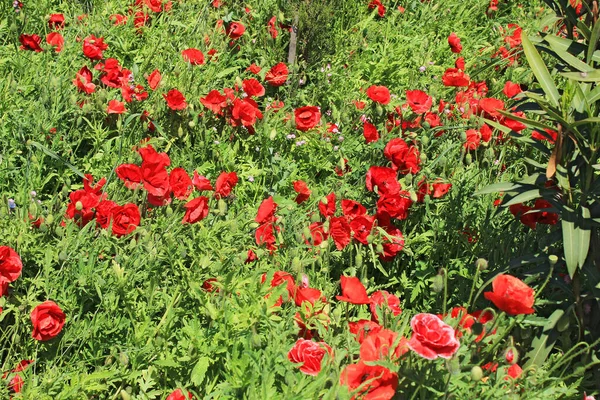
[(476, 373), (481, 264), (511, 355), (438, 283), (79, 206)]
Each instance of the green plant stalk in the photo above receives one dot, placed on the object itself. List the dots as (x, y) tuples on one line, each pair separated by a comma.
[(475, 280)]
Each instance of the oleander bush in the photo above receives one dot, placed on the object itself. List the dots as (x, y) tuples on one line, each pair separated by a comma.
[(299, 199)]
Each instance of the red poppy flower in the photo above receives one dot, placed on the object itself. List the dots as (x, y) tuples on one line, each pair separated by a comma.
[(370, 132), (432, 338), (511, 295), (178, 394), (154, 79), (454, 42), (419, 102), (214, 101), (386, 301), (307, 117), (393, 246), (125, 219), (317, 233), (473, 139), (404, 157), (382, 383), (245, 112), (56, 21), (201, 183), (104, 212), (181, 184), (130, 174), (379, 94), (10, 265), (380, 7), (48, 320), (277, 75), (115, 107), (384, 178), (118, 19), (327, 205), (266, 211), (308, 294), (514, 371), (235, 30), (226, 181), (310, 354), (195, 210), (455, 77), (82, 205), (353, 291), (252, 87), (511, 89), (361, 228), (30, 42), (255, 69), (363, 328), (83, 80), (175, 100), (303, 191), (193, 56), (56, 40), (352, 209), (380, 346), (395, 205), (271, 27), (93, 47)]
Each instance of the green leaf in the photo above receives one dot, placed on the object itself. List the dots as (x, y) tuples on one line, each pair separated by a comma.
[(56, 157), (594, 37), (542, 345), (584, 234), (540, 71), (199, 371), (565, 55), (523, 197), (592, 76), (568, 230), (498, 187)]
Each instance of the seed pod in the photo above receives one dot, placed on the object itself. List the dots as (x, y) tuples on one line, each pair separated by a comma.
[(552, 259), (476, 373), (468, 159)]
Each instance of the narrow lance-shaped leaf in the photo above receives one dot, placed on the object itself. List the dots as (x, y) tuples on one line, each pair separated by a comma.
[(540, 71)]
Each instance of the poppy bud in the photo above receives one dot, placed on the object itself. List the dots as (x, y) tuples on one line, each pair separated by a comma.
[(468, 159), (306, 233), (279, 237), (125, 395), (358, 260), (438, 283), (370, 239), (476, 373), (442, 161), (169, 211), (463, 136), (79, 121), (124, 358), (253, 225), (481, 264), (315, 218), (326, 226), (379, 110), (423, 157), (222, 207), (511, 355), (425, 140), (453, 366), (79, 206), (109, 360), (180, 131), (296, 264), (425, 125), (43, 228), (324, 200), (58, 231), (273, 134), (379, 248), (49, 219), (192, 124), (413, 196), (32, 208)]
